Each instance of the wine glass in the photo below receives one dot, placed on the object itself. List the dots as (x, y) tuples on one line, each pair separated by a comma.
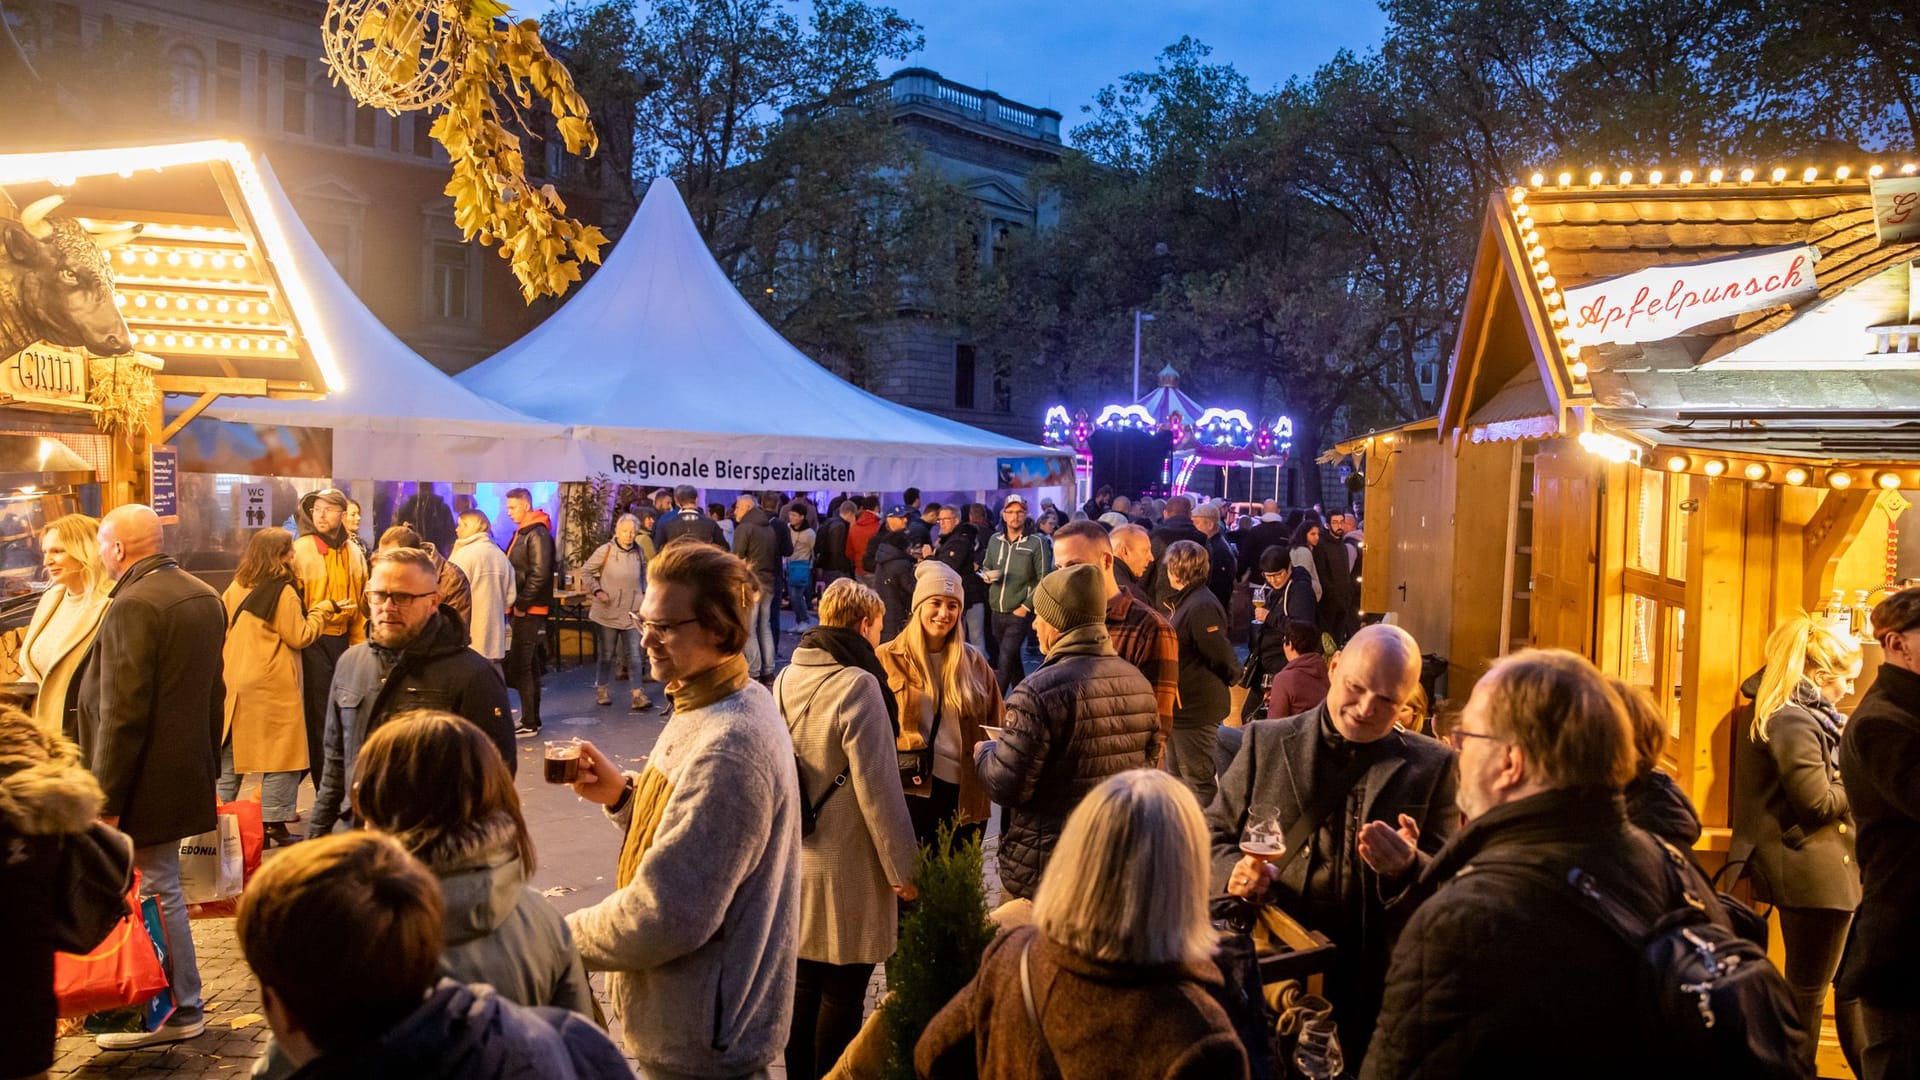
[(1316, 1054), (1261, 837)]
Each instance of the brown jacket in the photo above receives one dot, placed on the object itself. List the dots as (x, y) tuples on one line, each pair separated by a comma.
[(264, 717), (911, 694), (1101, 1020)]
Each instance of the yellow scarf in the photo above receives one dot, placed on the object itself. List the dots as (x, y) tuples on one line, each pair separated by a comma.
[(652, 790)]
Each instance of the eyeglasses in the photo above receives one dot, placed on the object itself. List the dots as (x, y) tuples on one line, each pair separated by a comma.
[(1457, 738), (662, 629), (377, 598)]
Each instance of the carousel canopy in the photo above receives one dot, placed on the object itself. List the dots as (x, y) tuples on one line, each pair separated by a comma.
[(1166, 399)]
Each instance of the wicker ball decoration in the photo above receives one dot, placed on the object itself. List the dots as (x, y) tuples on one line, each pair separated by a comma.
[(397, 55)]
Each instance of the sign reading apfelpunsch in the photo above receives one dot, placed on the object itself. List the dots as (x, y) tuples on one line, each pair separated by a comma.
[(1662, 301), (1896, 208)]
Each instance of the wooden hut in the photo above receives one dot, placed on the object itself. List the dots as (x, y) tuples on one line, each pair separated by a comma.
[(1680, 409)]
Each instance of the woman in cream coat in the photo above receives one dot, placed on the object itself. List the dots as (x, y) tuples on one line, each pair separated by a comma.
[(61, 631)]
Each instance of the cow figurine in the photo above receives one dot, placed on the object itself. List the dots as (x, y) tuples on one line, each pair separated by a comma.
[(56, 286)]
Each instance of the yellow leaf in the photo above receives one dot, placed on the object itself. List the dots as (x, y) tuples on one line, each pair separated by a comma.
[(489, 9)]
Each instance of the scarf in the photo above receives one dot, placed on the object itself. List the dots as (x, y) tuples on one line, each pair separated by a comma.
[(652, 790), (264, 599), (849, 649)]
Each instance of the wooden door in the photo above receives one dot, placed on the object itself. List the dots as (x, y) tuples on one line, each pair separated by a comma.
[(1564, 547)]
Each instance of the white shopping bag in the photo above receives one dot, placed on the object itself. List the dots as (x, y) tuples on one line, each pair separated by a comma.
[(212, 865)]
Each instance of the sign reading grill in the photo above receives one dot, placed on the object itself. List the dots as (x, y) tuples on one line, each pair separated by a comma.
[(45, 373)]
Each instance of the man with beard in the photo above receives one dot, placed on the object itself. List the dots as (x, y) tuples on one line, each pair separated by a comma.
[(416, 658), (328, 567)]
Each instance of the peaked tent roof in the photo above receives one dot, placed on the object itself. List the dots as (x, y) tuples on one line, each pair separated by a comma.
[(667, 372), (397, 416)]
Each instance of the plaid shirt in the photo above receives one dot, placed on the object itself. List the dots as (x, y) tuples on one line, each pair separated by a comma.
[(1145, 638)]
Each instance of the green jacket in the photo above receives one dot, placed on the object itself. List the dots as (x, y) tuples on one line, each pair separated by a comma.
[(1022, 564)]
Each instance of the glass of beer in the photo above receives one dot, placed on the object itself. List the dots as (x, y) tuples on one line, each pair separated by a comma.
[(1262, 837), (563, 761)]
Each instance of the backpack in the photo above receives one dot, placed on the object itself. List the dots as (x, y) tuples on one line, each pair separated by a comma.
[(1710, 995)]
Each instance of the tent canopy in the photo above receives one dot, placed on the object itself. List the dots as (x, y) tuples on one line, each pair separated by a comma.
[(666, 373), (396, 416)]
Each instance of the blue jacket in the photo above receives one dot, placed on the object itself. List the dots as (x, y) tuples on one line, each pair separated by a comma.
[(474, 1034)]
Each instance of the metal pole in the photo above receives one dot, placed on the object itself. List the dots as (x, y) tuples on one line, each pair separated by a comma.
[(1136, 356)]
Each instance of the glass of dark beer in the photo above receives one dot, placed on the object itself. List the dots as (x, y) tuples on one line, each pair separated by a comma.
[(563, 761)]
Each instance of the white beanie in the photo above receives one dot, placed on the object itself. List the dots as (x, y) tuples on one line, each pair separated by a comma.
[(935, 578)]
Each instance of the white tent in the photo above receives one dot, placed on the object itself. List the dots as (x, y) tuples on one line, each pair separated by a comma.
[(666, 373), (397, 417)]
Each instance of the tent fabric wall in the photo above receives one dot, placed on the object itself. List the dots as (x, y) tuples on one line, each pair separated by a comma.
[(666, 373), (397, 416)]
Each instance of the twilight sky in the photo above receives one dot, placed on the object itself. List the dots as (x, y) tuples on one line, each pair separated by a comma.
[(1058, 53)]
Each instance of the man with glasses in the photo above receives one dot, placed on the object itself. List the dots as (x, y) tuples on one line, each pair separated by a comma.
[(414, 658), (959, 544), (1880, 767), (1363, 803)]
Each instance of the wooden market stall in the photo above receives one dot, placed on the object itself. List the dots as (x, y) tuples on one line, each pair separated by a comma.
[(1681, 409)]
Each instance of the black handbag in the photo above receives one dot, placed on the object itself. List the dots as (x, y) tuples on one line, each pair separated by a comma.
[(916, 766)]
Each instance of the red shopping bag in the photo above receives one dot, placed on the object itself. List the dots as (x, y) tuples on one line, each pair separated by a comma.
[(253, 839), (123, 970)]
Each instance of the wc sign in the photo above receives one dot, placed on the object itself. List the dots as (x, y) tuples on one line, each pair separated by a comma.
[(253, 505)]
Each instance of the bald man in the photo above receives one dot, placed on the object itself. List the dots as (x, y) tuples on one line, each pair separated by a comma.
[(1363, 803), (151, 709), (1133, 561)]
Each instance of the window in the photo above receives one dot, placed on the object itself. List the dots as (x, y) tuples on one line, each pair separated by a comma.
[(366, 127), (963, 376), (330, 116), (422, 135), (293, 95), (337, 240), (451, 279), (226, 82), (1654, 629), (187, 73)]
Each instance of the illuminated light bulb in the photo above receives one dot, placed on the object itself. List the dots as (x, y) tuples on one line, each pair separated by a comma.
[(1533, 237), (200, 305), (119, 300), (169, 341), (1716, 176), (1518, 194), (128, 256), (1839, 481), (239, 262), (1909, 170), (1779, 174), (222, 307), (1559, 315), (1537, 179), (1626, 177), (219, 262), (1714, 467), (189, 341), (1746, 176), (1887, 480), (1566, 179), (1537, 251), (1548, 283), (1874, 171), (139, 301), (150, 259), (1842, 172), (161, 303), (147, 340), (226, 343), (1686, 176), (1677, 463), (196, 260), (1579, 371), (1553, 300), (1808, 176), (1540, 268), (1596, 178), (279, 346), (1756, 471), (173, 258), (1655, 176), (1796, 476)]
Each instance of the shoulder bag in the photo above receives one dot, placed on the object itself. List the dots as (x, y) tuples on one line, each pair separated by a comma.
[(810, 808)]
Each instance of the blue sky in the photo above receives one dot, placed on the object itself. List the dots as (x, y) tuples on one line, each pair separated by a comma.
[(1059, 54)]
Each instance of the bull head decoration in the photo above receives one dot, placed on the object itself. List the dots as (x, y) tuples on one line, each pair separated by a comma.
[(56, 284)]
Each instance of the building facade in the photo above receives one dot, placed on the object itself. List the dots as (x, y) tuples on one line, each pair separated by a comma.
[(989, 147), (367, 185)]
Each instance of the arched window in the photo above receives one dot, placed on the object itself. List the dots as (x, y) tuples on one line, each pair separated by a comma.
[(187, 71)]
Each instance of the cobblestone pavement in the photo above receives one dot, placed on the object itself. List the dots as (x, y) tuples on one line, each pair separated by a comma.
[(577, 849)]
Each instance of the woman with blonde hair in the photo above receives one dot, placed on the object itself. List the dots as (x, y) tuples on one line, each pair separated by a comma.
[(267, 628), (1791, 815), (63, 625), (945, 692), (860, 853), (1115, 977)]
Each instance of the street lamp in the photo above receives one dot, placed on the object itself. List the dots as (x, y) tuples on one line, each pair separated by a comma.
[(1138, 318)]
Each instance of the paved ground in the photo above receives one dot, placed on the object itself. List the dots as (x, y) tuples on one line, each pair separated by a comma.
[(577, 849)]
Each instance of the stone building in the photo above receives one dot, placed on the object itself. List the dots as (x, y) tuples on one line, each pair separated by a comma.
[(369, 186), (988, 146)]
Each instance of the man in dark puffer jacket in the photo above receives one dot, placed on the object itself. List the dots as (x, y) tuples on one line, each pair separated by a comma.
[(1082, 716)]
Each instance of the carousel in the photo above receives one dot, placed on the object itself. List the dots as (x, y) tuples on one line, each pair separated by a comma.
[(1225, 439)]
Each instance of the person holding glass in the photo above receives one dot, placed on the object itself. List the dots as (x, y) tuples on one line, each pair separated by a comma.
[(615, 575), (63, 625), (1115, 976), (265, 730)]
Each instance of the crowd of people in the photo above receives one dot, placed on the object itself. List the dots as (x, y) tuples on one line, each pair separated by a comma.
[(1160, 799)]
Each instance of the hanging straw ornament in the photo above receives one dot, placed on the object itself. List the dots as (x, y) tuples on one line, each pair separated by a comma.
[(397, 55)]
